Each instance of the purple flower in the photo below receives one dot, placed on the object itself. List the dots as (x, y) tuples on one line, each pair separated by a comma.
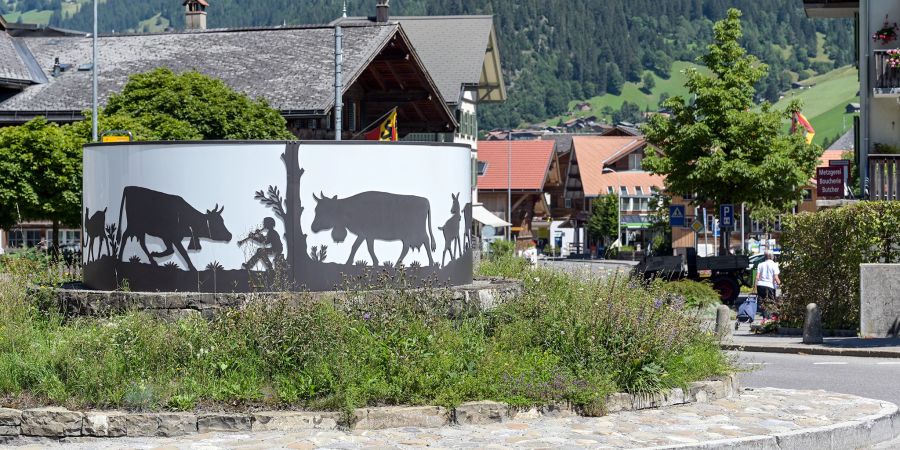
[(657, 304), (367, 316)]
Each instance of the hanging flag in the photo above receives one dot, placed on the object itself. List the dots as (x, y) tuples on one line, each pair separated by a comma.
[(386, 131), (800, 119)]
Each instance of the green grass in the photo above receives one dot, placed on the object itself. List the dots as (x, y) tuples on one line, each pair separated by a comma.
[(563, 340), (833, 122), (154, 24), (34, 16)]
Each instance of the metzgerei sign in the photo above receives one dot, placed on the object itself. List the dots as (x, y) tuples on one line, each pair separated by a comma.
[(830, 182)]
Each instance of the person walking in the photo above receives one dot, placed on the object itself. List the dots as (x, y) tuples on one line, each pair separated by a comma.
[(767, 281)]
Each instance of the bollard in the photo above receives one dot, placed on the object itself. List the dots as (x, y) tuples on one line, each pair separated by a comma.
[(812, 326), (723, 320)]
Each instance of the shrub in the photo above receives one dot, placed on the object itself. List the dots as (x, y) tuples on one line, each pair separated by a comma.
[(563, 340), (694, 293), (501, 248), (822, 254)]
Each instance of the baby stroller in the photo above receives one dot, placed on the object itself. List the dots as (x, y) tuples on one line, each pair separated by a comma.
[(747, 311)]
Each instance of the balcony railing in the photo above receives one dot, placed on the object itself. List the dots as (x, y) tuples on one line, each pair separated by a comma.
[(887, 78), (884, 177)]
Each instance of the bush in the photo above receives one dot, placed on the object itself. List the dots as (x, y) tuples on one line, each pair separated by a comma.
[(694, 293), (822, 254), (564, 340), (501, 248)]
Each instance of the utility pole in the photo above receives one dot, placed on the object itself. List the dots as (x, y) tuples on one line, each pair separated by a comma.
[(94, 70)]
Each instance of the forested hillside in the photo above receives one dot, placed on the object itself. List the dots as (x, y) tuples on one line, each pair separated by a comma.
[(553, 51)]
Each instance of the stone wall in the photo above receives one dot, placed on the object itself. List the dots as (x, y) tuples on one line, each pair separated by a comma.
[(879, 300), (73, 300), (60, 423)]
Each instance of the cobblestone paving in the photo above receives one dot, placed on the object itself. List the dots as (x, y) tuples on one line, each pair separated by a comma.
[(757, 412)]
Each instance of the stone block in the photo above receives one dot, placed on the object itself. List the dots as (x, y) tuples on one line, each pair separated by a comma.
[(9, 430), (400, 417), (812, 325), (176, 424), (51, 422), (879, 304), (853, 435), (294, 421), (10, 417), (223, 423), (479, 413), (619, 402), (104, 424), (697, 392), (141, 425), (882, 429)]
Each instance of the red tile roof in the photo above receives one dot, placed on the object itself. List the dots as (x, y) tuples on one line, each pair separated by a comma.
[(530, 163), (831, 155), (595, 152)]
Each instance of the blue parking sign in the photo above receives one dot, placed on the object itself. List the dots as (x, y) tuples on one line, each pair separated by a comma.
[(676, 216), (726, 216)]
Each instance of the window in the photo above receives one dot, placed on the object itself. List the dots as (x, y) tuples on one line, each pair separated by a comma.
[(482, 168), (66, 237), (16, 239), (634, 161), (568, 202), (639, 190), (623, 190), (807, 195), (609, 189)]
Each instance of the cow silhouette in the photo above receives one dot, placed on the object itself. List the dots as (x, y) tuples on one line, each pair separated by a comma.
[(93, 229), (451, 231), (377, 216), (169, 218), (467, 220)]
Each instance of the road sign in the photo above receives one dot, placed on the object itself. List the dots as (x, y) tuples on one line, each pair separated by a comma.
[(726, 216), (676, 215), (697, 226)]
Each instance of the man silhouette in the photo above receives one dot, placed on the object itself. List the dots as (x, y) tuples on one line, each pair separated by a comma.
[(270, 245)]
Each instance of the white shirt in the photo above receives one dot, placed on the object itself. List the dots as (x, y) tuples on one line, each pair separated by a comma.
[(766, 273)]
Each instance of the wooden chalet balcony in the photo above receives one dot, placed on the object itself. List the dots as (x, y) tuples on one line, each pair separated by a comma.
[(887, 78), (884, 177)]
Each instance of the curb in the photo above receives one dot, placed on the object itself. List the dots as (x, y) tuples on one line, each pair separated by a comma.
[(862, 433), (821, 351), (60, 423)]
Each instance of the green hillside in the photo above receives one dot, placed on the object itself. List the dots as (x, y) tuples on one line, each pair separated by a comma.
[(631, 92), (825, 101)]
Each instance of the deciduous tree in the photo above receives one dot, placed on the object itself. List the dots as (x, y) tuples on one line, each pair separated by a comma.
[(721, 147)]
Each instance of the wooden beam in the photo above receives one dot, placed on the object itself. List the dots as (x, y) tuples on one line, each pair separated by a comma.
[(395, 95)]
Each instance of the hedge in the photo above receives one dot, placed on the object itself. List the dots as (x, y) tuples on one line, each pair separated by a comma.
[(822, 254)]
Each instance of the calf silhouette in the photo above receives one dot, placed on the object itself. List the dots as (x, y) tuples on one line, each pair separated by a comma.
[(377, 216), (171, 219), (451, 231), (93, 229), (467, 220)]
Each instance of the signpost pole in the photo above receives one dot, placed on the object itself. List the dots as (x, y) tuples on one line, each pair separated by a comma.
[(743, 218), (705, 233)]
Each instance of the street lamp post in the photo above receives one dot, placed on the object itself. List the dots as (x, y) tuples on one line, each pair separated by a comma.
[(509, 185), (618, 204), (94, 118)]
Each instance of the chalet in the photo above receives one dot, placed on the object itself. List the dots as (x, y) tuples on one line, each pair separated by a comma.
[(600, 166), (525, 170), (290, 67)]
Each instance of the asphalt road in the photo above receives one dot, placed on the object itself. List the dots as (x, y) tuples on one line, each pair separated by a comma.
[(877, 378)]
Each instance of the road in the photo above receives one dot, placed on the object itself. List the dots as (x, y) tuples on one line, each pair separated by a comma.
[(877, 378)]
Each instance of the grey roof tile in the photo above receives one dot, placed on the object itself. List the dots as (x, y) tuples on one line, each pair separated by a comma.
[(292, 68), (845, 142)]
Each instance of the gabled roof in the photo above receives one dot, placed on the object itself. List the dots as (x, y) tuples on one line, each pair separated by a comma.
[(458, 51), (291, 67), (844, 143), (593, 153), (13, 69), (530, 162)]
